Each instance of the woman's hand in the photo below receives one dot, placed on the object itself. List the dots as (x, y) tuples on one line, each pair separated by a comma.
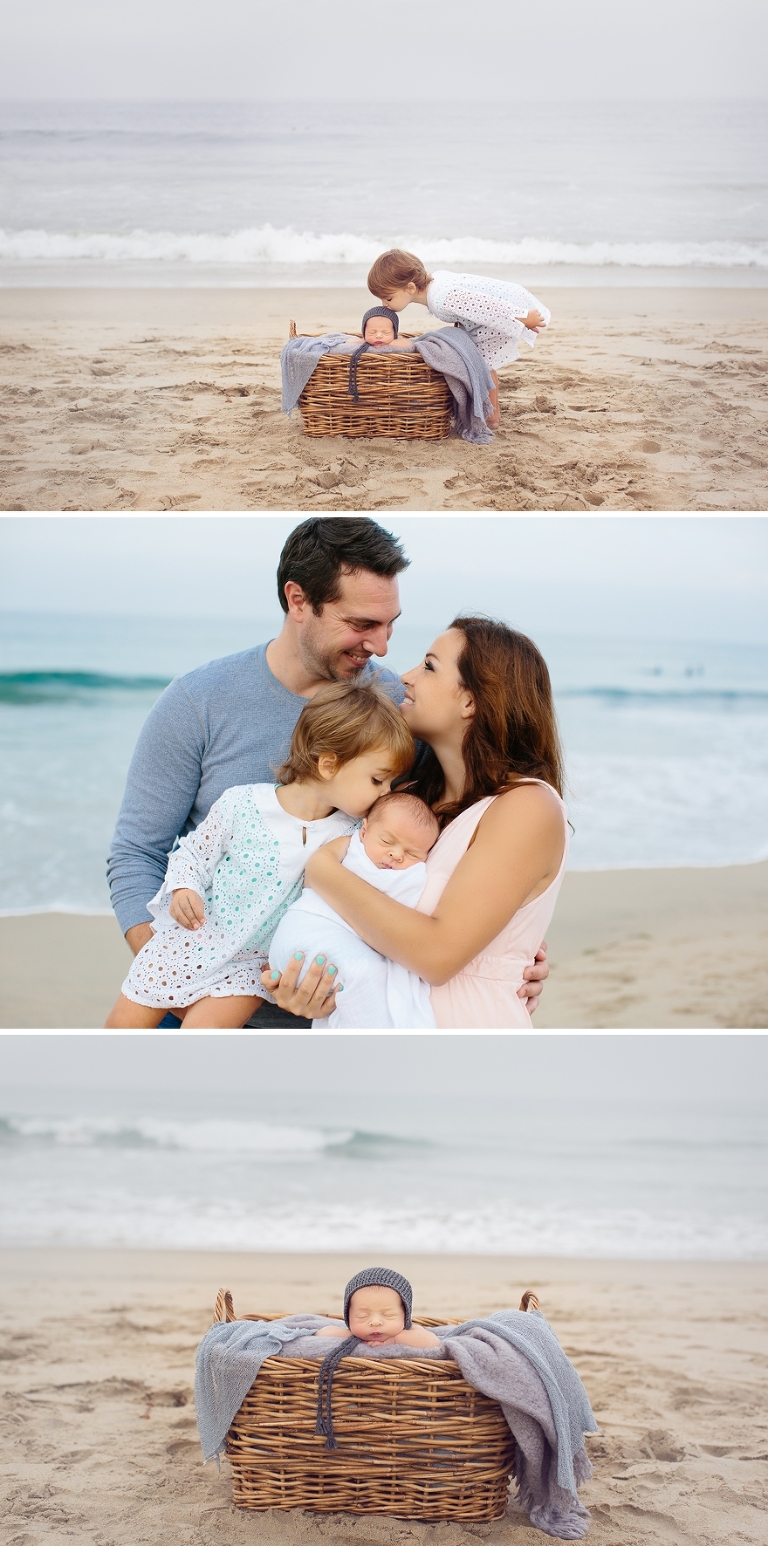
[(188, 908), (314, 998)]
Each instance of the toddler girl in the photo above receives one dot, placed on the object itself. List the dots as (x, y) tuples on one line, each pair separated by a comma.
[(389, 852), (495, 313), (229, 882)]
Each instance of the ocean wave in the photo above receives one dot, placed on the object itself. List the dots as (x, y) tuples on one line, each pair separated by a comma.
[(269, 245), (709, 696), (504, 1229), (45, 686), (221, 1135)]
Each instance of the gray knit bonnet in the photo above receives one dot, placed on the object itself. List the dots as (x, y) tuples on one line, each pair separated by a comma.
[(381, 1277), (381, 311)]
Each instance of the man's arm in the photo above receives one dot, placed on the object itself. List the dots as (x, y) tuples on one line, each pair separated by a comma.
[(161, 789)]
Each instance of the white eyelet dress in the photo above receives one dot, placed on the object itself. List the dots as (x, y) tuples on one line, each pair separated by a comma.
[(247, 861), (488, 309)]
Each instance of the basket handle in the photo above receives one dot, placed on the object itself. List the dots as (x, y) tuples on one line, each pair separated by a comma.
[(224, 1309), (292, 329)]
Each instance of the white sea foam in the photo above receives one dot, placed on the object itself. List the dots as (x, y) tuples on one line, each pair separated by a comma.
[(285, 246), (115, 1218)]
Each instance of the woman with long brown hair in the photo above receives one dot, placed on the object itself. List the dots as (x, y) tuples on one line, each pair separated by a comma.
[(481, 702)]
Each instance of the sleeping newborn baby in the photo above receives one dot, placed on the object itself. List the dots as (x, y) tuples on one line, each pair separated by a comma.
[(380, 329), (389, 852), (377, 1310)]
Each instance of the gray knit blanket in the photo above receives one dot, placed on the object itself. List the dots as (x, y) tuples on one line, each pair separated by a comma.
[(512, 1356), (448, 350)]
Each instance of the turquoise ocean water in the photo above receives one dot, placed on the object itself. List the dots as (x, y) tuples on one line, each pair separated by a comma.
[(666, 743)]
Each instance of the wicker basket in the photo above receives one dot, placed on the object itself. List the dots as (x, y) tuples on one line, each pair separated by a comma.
[(400, 397), (414, 1439)]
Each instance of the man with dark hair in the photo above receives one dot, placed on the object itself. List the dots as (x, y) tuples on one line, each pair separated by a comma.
[(318, 552), (230, 722)]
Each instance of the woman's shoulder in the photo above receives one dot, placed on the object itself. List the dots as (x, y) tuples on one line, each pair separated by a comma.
[(530, 799)]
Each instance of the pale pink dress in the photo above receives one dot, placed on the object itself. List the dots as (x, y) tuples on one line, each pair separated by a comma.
[(483, 996)]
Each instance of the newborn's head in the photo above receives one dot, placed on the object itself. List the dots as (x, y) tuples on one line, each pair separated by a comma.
[(377, 1304), (380, 326), (399, 831)]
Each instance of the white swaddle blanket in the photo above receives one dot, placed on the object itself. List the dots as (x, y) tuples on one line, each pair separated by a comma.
[(378, 994)]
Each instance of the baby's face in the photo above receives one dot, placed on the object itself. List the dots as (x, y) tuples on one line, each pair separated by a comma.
[(394, 841), (379, 331), (376, 1314)]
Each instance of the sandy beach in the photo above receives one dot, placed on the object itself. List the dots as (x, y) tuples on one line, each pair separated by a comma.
[(646, 949), (634, 399), (100, 1438)]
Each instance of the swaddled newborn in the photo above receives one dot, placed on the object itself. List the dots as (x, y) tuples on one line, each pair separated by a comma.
[(389, 852)]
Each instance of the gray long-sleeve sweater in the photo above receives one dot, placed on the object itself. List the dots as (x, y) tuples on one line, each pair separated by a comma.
[(228, 722)]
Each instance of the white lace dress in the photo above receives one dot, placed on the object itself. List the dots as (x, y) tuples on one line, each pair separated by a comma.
[(246, 859), (488, 309)]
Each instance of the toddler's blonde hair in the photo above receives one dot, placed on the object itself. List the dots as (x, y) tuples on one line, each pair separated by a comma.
[(346, 721), (394, 270)]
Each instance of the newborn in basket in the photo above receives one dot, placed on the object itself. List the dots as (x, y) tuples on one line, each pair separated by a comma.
[(377, 1310), (389, 852), (380, 330)]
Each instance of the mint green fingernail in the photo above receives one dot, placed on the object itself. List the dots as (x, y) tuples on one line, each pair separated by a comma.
[(331, 971), (320, 960), (275, 976), (298, 955)]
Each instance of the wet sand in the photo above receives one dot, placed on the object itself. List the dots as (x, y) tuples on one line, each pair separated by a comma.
[(100, 1443), (634, 399), (643, 949)]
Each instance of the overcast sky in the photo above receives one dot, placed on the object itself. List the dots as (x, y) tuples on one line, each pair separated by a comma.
[(673, 1068), (256, 50), (694, 578)]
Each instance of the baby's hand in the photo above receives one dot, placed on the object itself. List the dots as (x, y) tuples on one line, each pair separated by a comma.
[(188, 909), (534, 321)]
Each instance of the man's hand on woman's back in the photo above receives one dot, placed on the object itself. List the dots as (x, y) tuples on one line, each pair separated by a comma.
[(534, 979)]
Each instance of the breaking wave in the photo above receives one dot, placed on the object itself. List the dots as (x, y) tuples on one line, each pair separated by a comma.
[(285, 246), (218, 1135), (44, 686)]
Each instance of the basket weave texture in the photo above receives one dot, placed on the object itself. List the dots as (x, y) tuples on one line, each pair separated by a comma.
[(414, 1439), (401, 397)]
